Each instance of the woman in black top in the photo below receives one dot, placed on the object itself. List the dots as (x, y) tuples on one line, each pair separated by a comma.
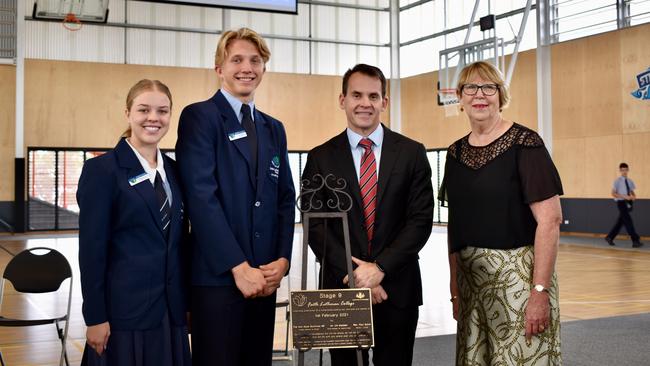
[(503, 191)]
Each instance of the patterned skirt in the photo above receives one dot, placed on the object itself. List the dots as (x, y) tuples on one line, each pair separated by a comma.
[(494, 286)]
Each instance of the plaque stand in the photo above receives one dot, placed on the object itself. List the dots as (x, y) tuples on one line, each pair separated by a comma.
[(309, 206)]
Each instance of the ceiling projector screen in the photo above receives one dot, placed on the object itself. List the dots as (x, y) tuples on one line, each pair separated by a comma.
[(281, 6)]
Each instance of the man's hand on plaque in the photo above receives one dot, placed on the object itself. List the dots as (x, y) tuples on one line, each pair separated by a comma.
[(367, 274), (378, 295), (250, 281)]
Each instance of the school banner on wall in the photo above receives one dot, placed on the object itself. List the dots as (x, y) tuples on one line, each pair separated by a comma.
[(643, 80)]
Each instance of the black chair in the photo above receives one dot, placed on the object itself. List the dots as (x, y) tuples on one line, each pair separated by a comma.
[(32, 273)]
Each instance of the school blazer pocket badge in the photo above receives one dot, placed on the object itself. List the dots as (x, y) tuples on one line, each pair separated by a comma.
[(274, 168)]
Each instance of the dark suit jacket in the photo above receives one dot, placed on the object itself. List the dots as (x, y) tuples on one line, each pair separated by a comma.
[(404, 214), (130, 274), (234, 218)]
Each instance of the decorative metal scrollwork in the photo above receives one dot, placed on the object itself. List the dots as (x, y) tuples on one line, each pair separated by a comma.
[(331, 187)]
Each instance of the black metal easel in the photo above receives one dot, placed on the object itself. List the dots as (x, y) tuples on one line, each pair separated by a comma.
[(309, 205)]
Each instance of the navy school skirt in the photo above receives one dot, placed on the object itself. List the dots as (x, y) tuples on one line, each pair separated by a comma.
[(165, 345)]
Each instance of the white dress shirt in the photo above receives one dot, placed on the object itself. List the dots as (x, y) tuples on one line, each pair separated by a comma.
[(377, 138), (160, 168)]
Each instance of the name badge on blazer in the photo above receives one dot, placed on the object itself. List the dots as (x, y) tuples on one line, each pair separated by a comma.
[(138, 179), (237, 135)]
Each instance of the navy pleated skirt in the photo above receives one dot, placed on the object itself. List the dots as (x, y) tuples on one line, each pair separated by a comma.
[(163, 346)]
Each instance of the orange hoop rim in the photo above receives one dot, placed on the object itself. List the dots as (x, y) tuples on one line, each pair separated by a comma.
[(71, 18)]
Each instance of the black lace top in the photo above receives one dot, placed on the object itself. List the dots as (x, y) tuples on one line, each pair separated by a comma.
[(488, 189)]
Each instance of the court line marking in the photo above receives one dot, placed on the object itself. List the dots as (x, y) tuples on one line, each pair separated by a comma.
[(605, 302), (603, 256)]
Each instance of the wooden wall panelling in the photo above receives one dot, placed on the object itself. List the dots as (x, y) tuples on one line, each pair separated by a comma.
[(602, 104), (80, 104), (569, 156), (602, 156), (523, 91), (7, 131), (585, 83), (568, 118)]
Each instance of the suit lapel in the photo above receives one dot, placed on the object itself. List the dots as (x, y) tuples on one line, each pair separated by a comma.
[(348, 170), (131, 164), (233, 127), (264, 148), (389, 155)]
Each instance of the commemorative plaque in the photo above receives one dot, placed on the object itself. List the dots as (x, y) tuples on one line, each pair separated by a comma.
[(339, 318)]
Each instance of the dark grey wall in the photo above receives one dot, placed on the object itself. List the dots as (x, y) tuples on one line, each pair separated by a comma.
[(598, 215)]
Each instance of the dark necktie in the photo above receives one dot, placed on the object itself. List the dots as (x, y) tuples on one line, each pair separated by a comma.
[(368, 185), (249, 127), (627, 187), (163, 204)]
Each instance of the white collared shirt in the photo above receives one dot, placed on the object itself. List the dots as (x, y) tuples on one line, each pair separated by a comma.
[(160, 168), (236, 105), (377, 138)]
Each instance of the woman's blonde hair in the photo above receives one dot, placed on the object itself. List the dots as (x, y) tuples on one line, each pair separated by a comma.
[(140, 87), (242, 33), (486, 71)]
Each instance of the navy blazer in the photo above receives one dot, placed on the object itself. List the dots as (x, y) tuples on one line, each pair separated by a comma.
[(130, 274), (236, 214), (404, 214)]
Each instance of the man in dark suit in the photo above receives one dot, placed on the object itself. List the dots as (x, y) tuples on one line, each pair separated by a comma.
[(389, 179), (234, 169)]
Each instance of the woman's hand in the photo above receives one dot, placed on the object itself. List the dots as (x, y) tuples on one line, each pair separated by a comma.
[(538, 313), (97, 337)]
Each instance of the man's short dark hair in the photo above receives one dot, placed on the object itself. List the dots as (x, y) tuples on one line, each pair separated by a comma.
[(623, 165), (367, 70)]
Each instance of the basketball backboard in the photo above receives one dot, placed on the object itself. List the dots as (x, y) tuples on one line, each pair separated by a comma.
[(93, 11)]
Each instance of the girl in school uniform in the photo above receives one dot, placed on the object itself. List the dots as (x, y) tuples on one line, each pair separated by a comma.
[(132, 256)]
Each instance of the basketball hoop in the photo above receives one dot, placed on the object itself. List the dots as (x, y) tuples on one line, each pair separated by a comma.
[(71, 22), (449, 101)]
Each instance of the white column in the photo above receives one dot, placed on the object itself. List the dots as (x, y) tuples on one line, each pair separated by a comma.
[(544, 97), (20, 79), (395, 84)]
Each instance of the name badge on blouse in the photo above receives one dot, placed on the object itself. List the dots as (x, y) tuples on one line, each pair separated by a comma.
[(237, 135), (138, 179)]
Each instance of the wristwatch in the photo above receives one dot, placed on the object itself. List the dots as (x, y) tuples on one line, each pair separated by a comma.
[(540, 288)]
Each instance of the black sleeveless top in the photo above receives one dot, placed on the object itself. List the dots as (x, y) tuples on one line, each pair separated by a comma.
[(488, 189)]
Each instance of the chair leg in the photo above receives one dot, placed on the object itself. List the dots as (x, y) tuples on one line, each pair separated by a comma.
[(64, 351), (2, 361)]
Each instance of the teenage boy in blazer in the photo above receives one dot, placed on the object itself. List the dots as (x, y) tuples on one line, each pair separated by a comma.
[(234, 168)]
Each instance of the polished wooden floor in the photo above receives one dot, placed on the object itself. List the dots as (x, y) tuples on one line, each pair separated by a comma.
[(595, 281)]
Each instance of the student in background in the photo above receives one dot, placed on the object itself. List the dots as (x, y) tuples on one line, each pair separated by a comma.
[(624, 197)]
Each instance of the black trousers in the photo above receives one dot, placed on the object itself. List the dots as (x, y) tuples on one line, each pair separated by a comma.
[(394, 338), (229, 330), (624, 219)]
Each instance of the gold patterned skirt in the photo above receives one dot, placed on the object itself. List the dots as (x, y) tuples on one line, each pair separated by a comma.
[(494, 286)]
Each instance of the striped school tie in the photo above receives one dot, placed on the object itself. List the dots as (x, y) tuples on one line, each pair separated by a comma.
[(368, 185), (163, 204)]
